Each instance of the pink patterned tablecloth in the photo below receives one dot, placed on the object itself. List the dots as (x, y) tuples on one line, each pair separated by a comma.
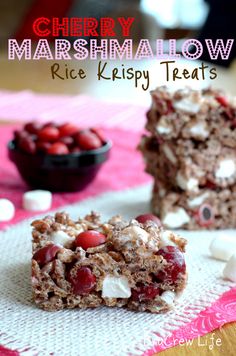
[(123, 124)]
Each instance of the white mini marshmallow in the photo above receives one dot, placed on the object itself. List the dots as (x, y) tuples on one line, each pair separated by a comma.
[(191, 184), (187, 105), (135, 232), (165, 238), (7, 210), (60, 238), (168, 297), (37, 200), (116, 287), (163, 129), (229, 271), (226, 168), (222, 247), (199, 130), (177, 218), (198, 200)]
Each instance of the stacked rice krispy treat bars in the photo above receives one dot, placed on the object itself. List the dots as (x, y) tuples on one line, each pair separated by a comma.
[(89, 263), (190, 150)]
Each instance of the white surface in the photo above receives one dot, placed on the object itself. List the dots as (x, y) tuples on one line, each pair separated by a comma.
[(116, 287), (223, 247), (229, 271), (37, 200), (103, 331), (7, 210)]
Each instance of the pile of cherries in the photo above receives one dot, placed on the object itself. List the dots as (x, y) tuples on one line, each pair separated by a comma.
[(54, 139), (85, 281)]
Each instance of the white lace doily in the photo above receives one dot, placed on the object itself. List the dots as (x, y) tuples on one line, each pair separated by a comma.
[(103, 331)]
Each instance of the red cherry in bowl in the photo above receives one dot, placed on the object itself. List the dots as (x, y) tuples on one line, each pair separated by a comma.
[(90, 238), (87, 140), (68, 130), (48, 134), (58, 148)]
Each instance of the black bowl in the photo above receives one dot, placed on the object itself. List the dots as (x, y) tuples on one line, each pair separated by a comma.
[(58, 173)]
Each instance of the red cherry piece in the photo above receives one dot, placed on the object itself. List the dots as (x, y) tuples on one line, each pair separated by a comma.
[(84, 281), (75, 150), (210, 185), (205, 216), (90, 238), (88, 140), (98, 133), (145, 292), (46, 254), (175, 264), (67, 140), (32, 127), (27, 145), (222, 100), (50, 124), (20, 134), (43, 146), (58, 148), (148, 217), (48, 134), (68, 130)]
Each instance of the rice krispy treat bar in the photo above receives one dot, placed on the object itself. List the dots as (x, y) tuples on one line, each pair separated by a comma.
[(88, 263), (190, 150), (206, 208)]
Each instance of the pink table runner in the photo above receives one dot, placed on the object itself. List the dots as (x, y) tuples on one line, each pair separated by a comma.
[(124, 169)]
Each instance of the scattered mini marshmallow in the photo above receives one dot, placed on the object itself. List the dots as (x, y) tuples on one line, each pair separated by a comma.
[(175, 219), (116, 287), (222, 247), (60, 238), (168, 297), (229, 271), (37, 200), (7, 210)]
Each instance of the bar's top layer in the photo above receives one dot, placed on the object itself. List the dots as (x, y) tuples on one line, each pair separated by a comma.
[(134, 240)]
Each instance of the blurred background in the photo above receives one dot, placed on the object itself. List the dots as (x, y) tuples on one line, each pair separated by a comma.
[(179, 19)]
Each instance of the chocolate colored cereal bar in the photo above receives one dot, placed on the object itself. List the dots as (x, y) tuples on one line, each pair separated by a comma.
[(88, 263), (190, 151)]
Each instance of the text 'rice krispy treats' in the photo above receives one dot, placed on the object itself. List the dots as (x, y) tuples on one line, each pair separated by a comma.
[(88, 263), (190, 151)]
